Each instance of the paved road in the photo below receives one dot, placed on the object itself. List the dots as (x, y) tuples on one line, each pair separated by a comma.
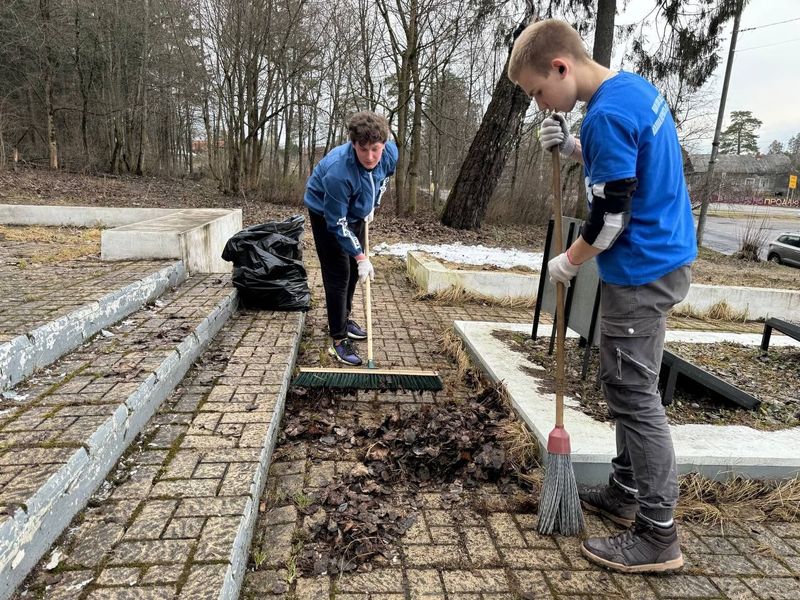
[(724, 234)]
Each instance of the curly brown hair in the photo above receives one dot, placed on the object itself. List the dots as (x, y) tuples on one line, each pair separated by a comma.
[(368, 128)]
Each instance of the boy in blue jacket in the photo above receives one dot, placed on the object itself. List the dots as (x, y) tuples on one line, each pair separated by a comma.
[(641, 230), (341, 195)]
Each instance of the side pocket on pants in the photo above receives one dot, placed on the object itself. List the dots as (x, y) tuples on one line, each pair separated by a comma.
[(630, 350)]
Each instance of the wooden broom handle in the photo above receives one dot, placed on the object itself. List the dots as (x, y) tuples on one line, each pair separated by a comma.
[(368, 300), (560, 325)]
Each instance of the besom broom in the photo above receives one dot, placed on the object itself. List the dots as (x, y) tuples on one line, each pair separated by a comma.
[(369, 378), (559, 505)]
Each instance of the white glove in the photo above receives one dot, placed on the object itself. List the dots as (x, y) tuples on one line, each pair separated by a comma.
[(554, 131), (370, 217), (561, 270), (365, 270)]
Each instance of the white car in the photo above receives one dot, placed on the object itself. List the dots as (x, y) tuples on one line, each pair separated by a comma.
[(785, 250)]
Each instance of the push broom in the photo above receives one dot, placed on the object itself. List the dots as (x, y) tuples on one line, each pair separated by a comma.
[(559, 505), (369, 378)]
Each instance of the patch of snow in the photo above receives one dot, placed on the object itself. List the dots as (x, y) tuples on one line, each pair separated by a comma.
[(470, 255)]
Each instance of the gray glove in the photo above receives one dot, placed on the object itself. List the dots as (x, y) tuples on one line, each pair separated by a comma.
[(371, 216), (365, 270), (554, 131)]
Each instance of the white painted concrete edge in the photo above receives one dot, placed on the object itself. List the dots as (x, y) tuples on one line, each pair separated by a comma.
[(28, 535), (21, 356), (200, 248), (431, 276), (77, 216), (240, 552), (714, 450), (757, 303)]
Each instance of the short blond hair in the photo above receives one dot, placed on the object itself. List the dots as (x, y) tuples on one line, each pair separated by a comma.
[(541, 42)]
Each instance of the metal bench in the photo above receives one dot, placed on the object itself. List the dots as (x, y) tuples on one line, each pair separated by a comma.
[(790, 329), (673, 365)]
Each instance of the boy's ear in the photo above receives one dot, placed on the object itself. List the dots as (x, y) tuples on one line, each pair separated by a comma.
[(560, 65)]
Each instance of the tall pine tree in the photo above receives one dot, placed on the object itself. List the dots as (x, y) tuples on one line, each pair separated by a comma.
[(740, 137)]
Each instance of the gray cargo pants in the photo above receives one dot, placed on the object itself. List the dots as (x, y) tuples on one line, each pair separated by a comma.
[(632, 327)]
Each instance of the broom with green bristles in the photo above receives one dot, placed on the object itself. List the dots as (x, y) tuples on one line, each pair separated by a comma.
[(559, 505), (369, 378)]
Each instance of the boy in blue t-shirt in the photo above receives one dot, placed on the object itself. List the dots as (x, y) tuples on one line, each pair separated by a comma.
[(641, 230), (341, 196)]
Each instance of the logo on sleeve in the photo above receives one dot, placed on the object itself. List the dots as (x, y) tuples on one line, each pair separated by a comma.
[(660, 109)]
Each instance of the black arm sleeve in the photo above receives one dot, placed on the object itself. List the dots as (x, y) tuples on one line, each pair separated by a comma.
[(610, 213)]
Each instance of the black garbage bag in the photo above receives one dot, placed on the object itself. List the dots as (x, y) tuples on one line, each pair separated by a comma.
[(268, 265)]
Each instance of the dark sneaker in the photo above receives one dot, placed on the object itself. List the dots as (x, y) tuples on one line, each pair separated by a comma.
[(612, 502), (354, 331), (644, 548), (345, 352)]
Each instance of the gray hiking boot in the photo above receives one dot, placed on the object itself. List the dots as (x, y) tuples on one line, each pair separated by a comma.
[(612, 502), (644, 548)]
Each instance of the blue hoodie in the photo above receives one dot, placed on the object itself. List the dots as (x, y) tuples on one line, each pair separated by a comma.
[(344, 192)]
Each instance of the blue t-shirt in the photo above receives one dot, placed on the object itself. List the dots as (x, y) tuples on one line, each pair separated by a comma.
[(343, 191), (628, 131)]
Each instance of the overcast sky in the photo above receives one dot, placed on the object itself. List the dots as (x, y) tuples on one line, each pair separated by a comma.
[(765, 78)]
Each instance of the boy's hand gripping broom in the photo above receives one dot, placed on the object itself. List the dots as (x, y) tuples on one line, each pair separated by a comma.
[(370, 378), (559, 505)]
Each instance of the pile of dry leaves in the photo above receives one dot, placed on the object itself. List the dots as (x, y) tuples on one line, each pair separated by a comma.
[(360, 516)]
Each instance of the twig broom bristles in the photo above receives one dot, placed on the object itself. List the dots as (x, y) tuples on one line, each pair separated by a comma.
[(559, 505), (370, 378)]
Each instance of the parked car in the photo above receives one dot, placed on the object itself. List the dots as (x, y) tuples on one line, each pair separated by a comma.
[(785, 250)]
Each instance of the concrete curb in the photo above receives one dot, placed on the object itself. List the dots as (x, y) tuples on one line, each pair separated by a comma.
[(28, 535), (21, 356), (716, 451), (234, 576)]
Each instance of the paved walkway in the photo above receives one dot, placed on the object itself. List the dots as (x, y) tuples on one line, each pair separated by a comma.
[(167, 520), (32, 294), (56, 412), (485, 547), (170, 517)]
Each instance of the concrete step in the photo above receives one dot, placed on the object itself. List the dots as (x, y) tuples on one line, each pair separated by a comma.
[(65, 327), (62, 430), (175, 518)]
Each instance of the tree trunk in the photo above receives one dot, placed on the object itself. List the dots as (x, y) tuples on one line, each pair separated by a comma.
[(143, 89), (48, 76), (288, 96), (416, 141), (481, 169), (604, 32)]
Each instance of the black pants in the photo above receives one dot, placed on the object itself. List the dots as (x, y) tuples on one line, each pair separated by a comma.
[(339, 273)]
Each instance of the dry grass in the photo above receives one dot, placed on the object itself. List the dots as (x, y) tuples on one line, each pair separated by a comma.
[(721, 311), (453, 347), (738, 499), (456, 296), (60, 243), (718, 269), (523, 451)]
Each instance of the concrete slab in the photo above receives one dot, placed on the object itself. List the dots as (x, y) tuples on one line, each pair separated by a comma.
[(758, 303), (713, 450), (196, 236), (431, 276), (76, 216)]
